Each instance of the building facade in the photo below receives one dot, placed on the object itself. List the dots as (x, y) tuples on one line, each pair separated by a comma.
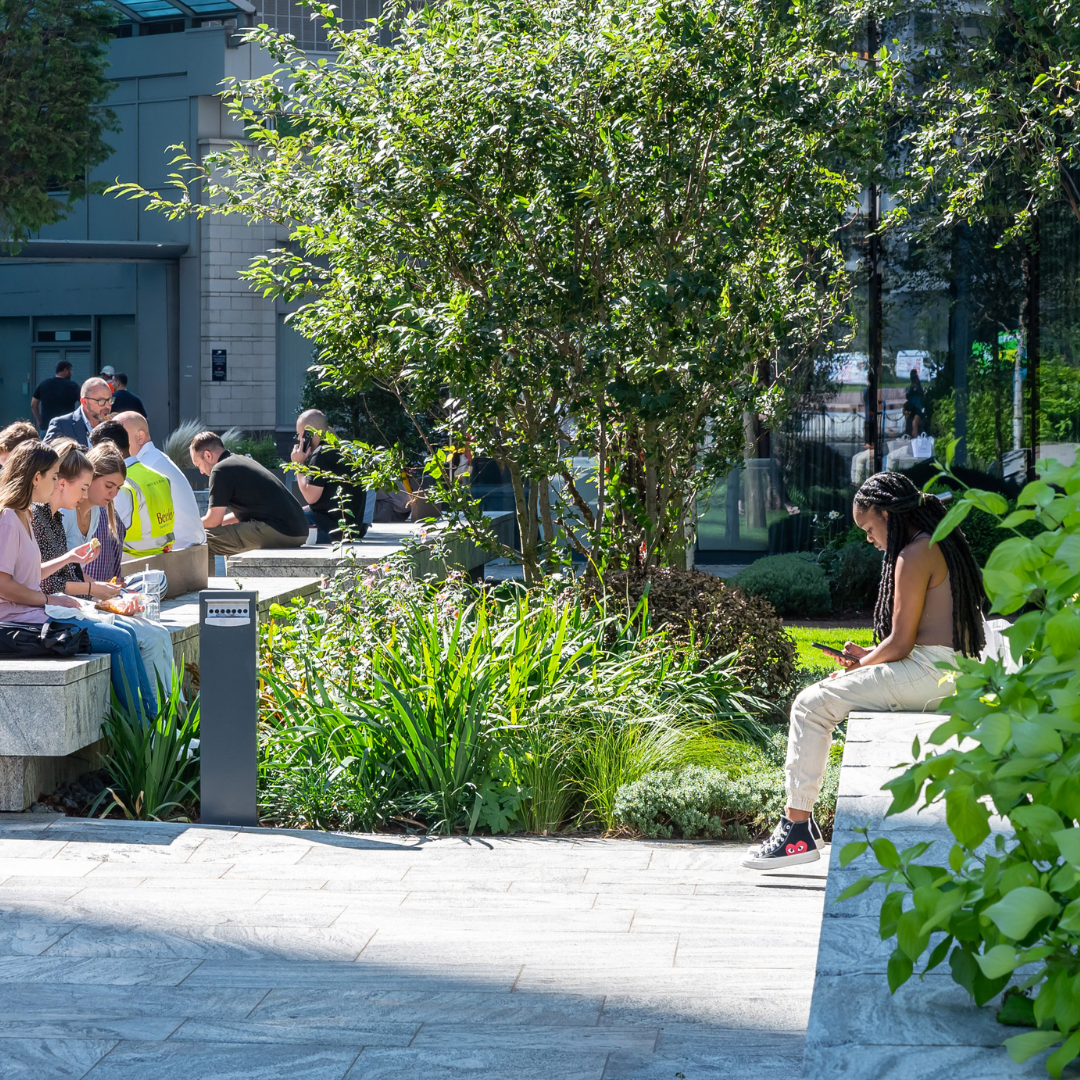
[(157, 299)]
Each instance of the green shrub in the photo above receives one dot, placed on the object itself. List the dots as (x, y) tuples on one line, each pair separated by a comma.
[(700, 609), (793, 584), (740, 798), (263, 450), (1006, 906), (461, 708), (153, 765), (853, 570)]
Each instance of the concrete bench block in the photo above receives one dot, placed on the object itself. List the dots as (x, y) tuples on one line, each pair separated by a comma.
[(52, 707), (51, 711), (857, 1028), (185, 569)]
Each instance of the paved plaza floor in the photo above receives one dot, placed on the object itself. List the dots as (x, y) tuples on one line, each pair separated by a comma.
[(154, 951)]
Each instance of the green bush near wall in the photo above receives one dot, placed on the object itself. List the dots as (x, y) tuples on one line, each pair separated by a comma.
[(793, 584), (735, 801)]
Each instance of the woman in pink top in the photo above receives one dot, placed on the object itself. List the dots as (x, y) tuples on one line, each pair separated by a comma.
[(29, 476)]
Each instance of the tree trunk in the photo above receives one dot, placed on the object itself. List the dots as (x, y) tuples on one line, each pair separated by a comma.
[(753, 478), (525, 523)]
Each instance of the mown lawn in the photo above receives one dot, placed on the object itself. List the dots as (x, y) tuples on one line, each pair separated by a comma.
[(813, 659)]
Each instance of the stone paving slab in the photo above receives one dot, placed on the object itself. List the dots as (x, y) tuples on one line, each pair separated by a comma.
[(148, 950)]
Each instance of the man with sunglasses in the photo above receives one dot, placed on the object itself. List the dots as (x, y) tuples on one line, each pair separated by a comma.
[(95, 404)]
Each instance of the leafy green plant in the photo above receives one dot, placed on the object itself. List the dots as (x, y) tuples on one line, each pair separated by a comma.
[(1013, 901), (740, 794), (704, 614), (263, 450), (154, 764), (793, 584), (853, 570), (461, 708)]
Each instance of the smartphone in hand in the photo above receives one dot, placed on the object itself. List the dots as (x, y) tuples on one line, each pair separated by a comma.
[(837, 654)]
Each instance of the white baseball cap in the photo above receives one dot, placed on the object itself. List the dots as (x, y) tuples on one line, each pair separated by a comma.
[(108, 369)]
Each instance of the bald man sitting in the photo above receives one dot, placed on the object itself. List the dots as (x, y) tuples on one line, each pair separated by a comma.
[(335, 505), (187, 524)]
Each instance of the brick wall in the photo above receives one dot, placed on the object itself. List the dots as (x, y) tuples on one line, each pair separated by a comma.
[(240, 321)]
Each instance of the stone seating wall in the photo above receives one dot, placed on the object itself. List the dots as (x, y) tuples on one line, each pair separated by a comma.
[(51, 710), (930, 1028)]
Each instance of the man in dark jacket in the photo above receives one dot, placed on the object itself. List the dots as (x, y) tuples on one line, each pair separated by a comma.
[(95, 404)]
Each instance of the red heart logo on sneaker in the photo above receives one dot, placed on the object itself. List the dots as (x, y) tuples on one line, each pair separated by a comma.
[(796, 849)]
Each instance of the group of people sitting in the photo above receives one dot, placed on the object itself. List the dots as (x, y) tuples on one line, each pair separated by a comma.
[(82, 487)]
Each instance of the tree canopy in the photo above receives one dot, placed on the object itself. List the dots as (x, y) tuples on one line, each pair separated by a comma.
[(52, 93), (597, 233)]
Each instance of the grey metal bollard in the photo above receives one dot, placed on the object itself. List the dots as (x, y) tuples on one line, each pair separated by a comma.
[(228, 707)]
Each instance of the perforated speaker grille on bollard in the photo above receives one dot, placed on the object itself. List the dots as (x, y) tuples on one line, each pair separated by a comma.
[(228, 707)]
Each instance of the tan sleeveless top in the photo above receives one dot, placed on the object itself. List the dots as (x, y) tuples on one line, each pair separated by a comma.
[(936, 623)]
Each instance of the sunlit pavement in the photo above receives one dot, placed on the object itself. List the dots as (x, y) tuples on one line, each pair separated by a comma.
[(155, 951)]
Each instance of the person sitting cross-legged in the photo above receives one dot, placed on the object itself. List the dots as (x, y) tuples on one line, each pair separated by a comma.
[(930, 609), (249, 506)]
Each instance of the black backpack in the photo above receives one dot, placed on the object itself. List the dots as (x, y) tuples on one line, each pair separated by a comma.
[(55, 639)]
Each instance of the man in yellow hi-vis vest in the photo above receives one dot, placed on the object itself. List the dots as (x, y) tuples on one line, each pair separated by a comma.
[(144, 504), (151, 528)]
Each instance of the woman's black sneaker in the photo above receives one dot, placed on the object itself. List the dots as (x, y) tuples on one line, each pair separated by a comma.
[(791, 843)]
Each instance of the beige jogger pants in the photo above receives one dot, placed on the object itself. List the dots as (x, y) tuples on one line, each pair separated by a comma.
[(909, 685)]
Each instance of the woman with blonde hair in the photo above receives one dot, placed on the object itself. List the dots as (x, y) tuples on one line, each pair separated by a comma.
[(95, 517)]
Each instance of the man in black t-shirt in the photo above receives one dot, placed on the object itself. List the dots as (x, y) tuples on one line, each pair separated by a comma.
[(55, 396), (249, 506), (335, 504), (123, 399)]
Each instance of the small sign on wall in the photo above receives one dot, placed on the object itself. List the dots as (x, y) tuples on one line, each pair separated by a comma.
[(217, 365)]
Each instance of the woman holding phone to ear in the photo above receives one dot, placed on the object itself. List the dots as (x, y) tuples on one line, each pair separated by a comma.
[(930, 607)]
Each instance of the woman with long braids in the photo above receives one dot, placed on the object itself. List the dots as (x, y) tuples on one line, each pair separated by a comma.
[(929, 608)]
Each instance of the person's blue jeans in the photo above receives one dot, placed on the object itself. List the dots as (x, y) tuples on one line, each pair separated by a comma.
[(126, 668)]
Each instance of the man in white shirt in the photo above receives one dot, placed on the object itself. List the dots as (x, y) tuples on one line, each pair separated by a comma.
[(187, 525)]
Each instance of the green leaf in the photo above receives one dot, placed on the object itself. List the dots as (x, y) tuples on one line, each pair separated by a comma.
[(1063, 634), (964, 968), (891, 908), (886, 853), (1039, 820), (1022, 1047), (953, 519), (998, 961), (908, 936), (941, 950), (1065, 1053), (859, 886), (1017, 1010), (989, 501), (1017, 912), (850, 852), (899, 970), (1017, 517), (1035, 738), (967, 818), (994, 732)]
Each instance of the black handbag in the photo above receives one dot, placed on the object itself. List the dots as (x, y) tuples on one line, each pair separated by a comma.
[(55, 639)]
